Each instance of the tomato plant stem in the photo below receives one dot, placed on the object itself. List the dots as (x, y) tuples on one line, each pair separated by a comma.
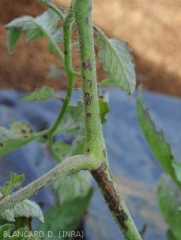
[(94, 138)]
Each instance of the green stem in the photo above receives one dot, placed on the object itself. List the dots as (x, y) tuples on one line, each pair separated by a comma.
[(68, 166), (67, 61), (94, 137), (67, 30), (116, 205)]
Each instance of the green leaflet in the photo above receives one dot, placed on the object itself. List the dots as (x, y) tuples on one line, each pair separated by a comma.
[(160, 148), (15, 181), (15, 137), (169, 198), (44, 25), (78, 185), (65, 217), (117, 62), (13, 36), (73, 123), (73, 119), (177, 168), (62, 149), (40, 94), (104, 109), (26, 208)]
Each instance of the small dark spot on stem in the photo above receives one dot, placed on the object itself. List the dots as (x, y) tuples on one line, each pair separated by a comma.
[(1, 144), (89, 115), (90, 8), (72, 171), (38, 190), (87, 65), (122, 216), (49, 181), (87, 21), (88, 98), (56, 174), (65, 52), (89, 83), (104, 152), (88, 150)]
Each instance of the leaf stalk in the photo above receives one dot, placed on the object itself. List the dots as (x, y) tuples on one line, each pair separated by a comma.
[(68, 166)]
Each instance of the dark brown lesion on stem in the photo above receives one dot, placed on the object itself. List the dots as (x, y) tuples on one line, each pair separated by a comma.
[(87, 20), (110, 194), (89, 115), (104, 152), (88, 99), (87, 65)]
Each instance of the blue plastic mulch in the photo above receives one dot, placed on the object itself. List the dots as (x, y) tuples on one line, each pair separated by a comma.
[(134, 167)]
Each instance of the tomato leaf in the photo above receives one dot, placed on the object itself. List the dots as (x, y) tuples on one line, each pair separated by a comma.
[(160, 148), (43, 25), (15, 181), (67, 216), (26, 208), (117, 62), (78, 185), (40, 94), (169, 198), (15, 137), (104, 109)]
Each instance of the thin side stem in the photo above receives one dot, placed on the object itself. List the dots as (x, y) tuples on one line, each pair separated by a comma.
[(67, 61), (67, 30), (68, 166)]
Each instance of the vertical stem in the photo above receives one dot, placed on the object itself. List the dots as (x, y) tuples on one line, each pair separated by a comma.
[(94, 137)]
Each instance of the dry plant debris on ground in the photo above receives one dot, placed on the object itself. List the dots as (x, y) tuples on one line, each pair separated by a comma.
[(151, 28)]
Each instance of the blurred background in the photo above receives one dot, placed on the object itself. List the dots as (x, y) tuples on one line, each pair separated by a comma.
[(152, 29)]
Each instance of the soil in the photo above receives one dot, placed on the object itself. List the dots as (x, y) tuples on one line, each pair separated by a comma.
[(151, 28)]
